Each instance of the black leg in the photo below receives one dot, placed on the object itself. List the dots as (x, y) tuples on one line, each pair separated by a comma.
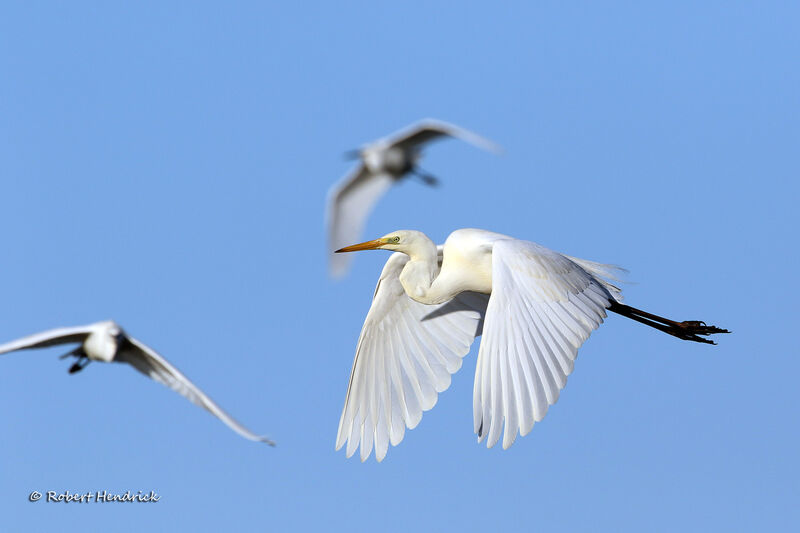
[(79, 365), (688, 330), (82, 361), (424, 177)]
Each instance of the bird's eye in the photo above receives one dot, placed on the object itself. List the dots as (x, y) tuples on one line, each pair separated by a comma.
[(396, 239)]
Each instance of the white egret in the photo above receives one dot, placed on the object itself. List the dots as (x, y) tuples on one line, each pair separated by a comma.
[(107, 342), (383, 163), (534, 307)]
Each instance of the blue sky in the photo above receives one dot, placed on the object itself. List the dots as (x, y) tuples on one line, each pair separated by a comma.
[(166, 164)]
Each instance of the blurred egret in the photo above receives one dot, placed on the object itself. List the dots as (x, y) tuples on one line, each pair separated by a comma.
[(107, 342), (535, 308), (383, 163)]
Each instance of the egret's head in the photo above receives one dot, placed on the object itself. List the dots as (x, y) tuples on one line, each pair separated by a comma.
[(397, 241)]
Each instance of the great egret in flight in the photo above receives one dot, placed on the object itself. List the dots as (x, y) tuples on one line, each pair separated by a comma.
[(383, 163), (107, 342), (534, 307)]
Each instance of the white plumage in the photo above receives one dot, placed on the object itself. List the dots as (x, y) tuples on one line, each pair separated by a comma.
[(533, 306), (107, 342), (382, 163)]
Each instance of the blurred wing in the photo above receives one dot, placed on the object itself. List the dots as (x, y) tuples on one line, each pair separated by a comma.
[(404, 358), (48, 338), (349, 204), (148, 362), (428, 130), (542, 308)]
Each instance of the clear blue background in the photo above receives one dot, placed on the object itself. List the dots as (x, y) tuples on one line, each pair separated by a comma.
[(166, 164)]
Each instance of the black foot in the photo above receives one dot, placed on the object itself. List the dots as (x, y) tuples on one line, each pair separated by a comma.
[(425, 178), (690, 329), (79, 365)]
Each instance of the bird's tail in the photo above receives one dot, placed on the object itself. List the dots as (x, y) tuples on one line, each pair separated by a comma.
[(603, 273)]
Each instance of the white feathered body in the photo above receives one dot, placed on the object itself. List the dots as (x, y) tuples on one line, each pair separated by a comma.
[(533, 306), (380, 158), (102, 344)]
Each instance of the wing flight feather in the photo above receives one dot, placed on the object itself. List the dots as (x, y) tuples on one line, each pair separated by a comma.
[(47, 338), (542, 308), (405, 356), (349, 204), (151, 364)]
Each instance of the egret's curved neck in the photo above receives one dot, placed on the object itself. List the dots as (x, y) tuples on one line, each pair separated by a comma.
[(420, 275)]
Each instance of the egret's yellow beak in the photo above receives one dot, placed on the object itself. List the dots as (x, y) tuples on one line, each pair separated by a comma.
[(369, 245)]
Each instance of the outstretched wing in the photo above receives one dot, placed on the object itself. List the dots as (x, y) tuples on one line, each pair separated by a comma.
[(404, 358), (148, 362), (428, 130), (47, 338), (542, 308), (349, 203)]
